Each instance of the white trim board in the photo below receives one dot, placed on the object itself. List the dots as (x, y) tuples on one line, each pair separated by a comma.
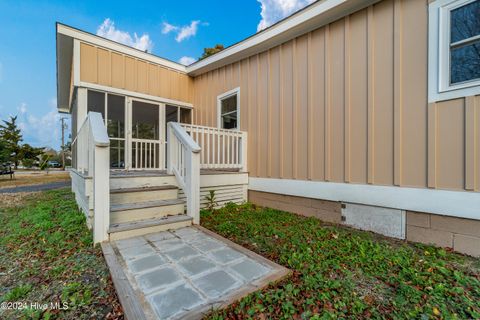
[(115, 46), (134, 94), (460, 204)]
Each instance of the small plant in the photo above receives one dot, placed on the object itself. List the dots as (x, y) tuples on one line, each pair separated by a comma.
[(18, 293), (211, 200)]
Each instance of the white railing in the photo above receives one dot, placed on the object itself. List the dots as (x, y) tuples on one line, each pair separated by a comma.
[(93, 152), (183, 160), (221, 148), (147, 154)]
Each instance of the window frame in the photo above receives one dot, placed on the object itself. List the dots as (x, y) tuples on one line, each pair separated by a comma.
[(439, 86), (222, 97)]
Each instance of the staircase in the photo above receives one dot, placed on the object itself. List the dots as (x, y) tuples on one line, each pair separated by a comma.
[(144, 202)]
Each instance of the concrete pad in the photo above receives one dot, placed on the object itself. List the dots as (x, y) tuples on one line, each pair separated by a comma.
[(226, 255), (137, 252), (197, 265), (173, 301), (249, 270), (181, 253), (216, 283), (157, 279), (208, 245), (146, 263), (159, 236), (182, 274), (131, 242)]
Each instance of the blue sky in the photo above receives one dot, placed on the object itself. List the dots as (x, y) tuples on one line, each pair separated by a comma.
[(171, 29)]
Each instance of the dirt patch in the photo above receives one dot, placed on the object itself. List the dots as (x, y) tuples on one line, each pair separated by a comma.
[(11, 200)]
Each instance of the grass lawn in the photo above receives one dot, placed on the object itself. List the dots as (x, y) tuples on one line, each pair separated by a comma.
[(47, 256), (338, 272), (33, 178)]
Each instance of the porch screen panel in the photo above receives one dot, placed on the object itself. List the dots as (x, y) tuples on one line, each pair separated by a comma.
[(116, 130), (96, 102)]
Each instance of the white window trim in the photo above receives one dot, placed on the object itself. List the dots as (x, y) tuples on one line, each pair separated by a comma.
[(439, 87), (219, 107)]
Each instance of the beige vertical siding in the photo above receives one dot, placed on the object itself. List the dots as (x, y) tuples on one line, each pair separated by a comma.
[(112, 69), (348, 103)]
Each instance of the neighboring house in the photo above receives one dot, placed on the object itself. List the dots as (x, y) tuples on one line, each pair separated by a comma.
[(365, 113)]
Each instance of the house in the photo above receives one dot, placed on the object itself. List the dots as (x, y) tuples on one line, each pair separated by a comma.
[(359, 112)]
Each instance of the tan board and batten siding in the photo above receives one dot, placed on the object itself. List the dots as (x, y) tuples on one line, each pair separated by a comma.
[(113, 69), (348, 103)]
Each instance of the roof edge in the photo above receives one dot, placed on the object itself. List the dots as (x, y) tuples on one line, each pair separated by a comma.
[(308, 19), (116, 46)]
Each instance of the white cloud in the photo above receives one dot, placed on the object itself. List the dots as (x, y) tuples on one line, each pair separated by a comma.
[(22, 108), (187, 31), (184, 32), (187, 60), (43, 130), (167, 28), (107, 30), (275, 10)]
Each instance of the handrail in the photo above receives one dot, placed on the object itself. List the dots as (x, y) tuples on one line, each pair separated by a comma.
[(185, 138), (98, 130), (183, 160), (92, 147)]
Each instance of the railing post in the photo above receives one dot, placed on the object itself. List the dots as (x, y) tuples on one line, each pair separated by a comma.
[(101, 193), (193, 186), (243, 151), (169, 156)]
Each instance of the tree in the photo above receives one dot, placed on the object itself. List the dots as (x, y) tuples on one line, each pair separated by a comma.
[(209, 51), (11, 136), (29, 155)]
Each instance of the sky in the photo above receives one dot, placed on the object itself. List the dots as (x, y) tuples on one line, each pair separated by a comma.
[(174, 30)]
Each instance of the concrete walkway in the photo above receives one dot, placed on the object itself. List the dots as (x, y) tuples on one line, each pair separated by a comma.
[(184, 273), (37, 187)]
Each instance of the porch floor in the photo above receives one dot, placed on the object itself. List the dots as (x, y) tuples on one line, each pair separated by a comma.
[(184, 273)]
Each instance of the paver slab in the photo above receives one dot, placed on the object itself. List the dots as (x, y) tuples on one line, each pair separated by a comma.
[(157, 279), (208, 245), (226, 255), (146, 263), (249, 270), (216, 283), (197, 265), (137, 252), (131, 242), (181, 253), (167, 245), (159, 236), (173, 301)]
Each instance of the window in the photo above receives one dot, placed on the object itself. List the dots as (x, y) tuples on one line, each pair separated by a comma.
[(228, 109), (454, 49)]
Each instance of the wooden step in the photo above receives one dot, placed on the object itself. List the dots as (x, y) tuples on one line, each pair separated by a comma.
[(124, 230), (141, 180), (129, 212), (142, 194)]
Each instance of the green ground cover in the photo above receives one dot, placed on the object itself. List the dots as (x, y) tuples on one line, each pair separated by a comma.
[(47, 256), (338, 272)]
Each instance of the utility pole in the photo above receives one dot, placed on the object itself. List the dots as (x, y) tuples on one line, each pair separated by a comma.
[(64, 126)]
